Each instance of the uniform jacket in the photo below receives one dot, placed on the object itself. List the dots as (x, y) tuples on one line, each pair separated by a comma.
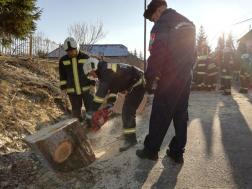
[(172, 45), (115, 78), (72, 77), (227, 67)]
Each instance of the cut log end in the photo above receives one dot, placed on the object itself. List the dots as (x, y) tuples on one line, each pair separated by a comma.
[(62, 151)]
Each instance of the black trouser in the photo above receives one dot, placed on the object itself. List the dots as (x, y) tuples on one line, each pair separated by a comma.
[(170, 103), (244, 83), (76, 102), (131, 104)]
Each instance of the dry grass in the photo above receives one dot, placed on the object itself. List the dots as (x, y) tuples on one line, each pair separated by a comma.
[(29, 101)]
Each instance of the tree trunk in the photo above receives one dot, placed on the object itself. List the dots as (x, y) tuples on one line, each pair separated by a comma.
[(64, 145)]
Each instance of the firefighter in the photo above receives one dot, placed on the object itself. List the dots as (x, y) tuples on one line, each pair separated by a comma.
[(201, 67), (73, 81), (227, 70), (115, 78), (211, 75), (244, 73), (172, 57)]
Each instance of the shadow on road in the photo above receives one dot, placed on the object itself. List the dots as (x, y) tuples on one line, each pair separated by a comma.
[(168, 178), (237, 142)]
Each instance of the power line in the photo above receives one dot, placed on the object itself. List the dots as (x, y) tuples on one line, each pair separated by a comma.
[(243, 16), (241, 22)]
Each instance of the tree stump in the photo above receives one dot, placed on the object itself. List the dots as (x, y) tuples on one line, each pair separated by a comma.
[(64, 146)]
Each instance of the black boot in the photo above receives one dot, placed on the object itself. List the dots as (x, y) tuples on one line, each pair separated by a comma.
[(142, 154), (130, 141)]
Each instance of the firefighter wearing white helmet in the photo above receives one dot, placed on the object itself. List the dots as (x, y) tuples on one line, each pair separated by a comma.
[(244, 73), (90, 65), (227, 71), (73, 81)]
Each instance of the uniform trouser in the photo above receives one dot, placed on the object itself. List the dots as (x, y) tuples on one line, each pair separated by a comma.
[(76, 102), (131, 104), (211, 82), (244, 83), (170, 103), (227, 84), (222, 82), (200, 80)]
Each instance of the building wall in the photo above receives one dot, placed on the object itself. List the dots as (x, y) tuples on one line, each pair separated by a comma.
[(248, 43)]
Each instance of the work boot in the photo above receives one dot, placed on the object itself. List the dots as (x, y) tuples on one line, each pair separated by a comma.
[(226, 93), (144, 155), (175, 158), (129, 142)]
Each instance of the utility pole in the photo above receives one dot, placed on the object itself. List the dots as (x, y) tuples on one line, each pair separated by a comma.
[(144, 38)]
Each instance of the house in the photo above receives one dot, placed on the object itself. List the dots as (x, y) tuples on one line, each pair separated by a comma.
[(115, 52), (245, 42)]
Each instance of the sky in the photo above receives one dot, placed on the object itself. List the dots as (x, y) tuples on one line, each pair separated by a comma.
[(124, 21)]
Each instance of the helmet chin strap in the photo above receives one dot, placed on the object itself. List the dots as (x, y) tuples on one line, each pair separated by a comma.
[(73, 56)]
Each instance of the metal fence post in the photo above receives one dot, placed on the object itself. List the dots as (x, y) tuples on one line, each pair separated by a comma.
[(59, 51), (31, 46)]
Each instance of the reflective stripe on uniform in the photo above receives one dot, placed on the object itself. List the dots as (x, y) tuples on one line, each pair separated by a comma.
[(67, 62), (140, 81), (98, 99), (211, 66), (231, 62), (129, 131), (201, 73), (70, 90), (82, 61), (227, 77), (63, 82), (228, 90), (85, 88), (244, 88), (224, 70), (112, 66), (112, 95), (76, 76), (212, 74), (201, 65)]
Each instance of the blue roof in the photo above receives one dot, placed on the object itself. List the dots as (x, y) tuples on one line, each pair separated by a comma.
[(109, 50)]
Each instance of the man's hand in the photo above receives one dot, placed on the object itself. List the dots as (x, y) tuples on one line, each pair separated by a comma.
[(63, 94), (151, 86), (92, 90)]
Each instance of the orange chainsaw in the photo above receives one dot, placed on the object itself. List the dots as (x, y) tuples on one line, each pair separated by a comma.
[(99, 118)]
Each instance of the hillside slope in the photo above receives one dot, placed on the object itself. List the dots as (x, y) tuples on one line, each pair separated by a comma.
[(29, 101)]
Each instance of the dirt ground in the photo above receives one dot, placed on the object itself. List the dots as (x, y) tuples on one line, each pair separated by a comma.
[(217, 154)]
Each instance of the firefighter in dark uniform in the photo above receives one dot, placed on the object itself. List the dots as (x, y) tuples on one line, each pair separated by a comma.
[(115, 78), (73, 81), (172, 56), (244, 73), (201, 67), (227, 70), (211, 77)]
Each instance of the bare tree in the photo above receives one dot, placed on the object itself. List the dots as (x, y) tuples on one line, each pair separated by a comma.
[(87, 34)]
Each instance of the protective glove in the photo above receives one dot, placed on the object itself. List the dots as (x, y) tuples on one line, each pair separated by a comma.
[(63, 94), (92, 90), (89, 115), (109, 107)]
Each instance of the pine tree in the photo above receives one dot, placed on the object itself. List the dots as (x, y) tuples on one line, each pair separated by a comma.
[(230, 41), (135, 53), (201, 37), (141, 55), (17, 19)]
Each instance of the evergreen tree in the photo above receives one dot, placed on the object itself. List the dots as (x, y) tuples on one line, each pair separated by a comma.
[(135, 53), (17, 18), (201, 37), (230, 41), (141, 55)]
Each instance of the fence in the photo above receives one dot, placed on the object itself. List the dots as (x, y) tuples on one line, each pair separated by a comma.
[(30, 47)]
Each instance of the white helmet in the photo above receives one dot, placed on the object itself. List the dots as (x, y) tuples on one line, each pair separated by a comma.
[(71, 44), (244, 56), (226, 50), (90, 65)]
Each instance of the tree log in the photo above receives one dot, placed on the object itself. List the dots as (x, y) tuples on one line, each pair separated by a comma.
[(64, 146)]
